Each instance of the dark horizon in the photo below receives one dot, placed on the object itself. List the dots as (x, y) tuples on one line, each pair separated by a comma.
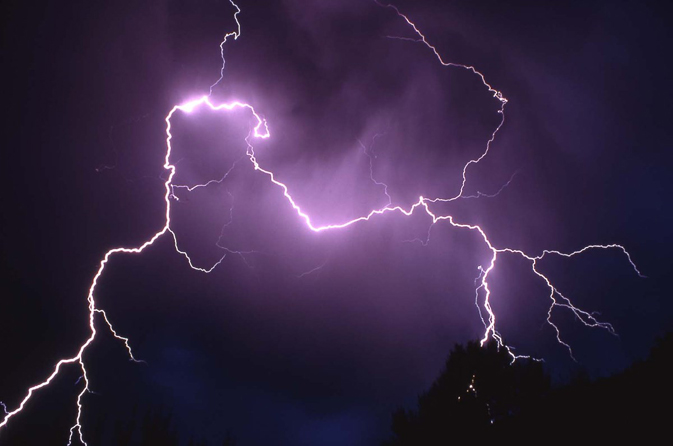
[(323, 335)]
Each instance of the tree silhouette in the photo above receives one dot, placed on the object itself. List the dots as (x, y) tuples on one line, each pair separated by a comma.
[(478, 388), (158, 429), (229, 439), (634, 402), (481, 396)]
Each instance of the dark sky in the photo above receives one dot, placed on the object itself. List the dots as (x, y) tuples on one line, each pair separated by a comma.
[(257, 346)]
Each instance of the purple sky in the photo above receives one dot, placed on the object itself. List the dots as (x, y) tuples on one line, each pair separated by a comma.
[(312, 338)]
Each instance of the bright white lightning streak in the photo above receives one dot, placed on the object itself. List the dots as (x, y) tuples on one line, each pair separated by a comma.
[(261, 130), (93, 310)]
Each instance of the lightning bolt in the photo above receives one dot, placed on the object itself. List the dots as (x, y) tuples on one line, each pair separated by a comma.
[(260, 130)]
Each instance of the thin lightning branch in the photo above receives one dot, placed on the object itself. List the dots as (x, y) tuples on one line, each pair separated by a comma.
[(228, 222), (208, 183), (241, 254), (586, 248), (406, 39), (235, 34), (484, 195), (126, 122), (478, 286), (261, 131), (368, 153), (311, 271), (496, 94)]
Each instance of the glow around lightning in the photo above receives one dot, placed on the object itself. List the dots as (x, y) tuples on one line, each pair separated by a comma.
[(260, 130)]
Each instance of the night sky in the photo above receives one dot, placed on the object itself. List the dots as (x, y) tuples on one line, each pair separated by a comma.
[(302, 338)]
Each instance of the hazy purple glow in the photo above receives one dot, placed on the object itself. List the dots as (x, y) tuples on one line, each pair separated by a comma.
[(422, 205)]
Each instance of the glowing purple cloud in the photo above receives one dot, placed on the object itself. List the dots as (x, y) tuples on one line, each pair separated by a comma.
[(261, 130)]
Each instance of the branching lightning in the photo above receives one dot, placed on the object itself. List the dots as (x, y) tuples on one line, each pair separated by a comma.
[(260, 130)]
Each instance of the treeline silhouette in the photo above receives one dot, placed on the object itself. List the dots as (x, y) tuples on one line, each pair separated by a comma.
[(480, 397)]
